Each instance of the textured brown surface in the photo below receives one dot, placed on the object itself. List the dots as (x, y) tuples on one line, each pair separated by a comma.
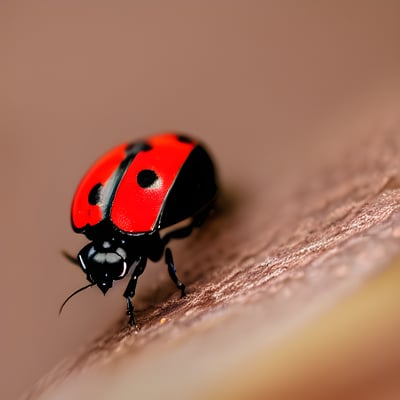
[(294, 101), (332, 234)]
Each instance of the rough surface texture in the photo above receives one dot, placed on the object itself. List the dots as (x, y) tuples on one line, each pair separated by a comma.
[(283, 96), (306, 225)]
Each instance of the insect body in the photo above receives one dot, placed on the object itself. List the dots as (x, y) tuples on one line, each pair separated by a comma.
[(127, 199)]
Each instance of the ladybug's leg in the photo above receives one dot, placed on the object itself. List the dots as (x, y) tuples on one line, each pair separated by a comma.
[(172, 271), (186, 230), (131, 288), (129, 311), (202, 216), (177, 234)]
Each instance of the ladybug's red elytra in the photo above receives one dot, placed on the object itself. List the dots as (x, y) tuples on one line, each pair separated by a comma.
[(129, 196)]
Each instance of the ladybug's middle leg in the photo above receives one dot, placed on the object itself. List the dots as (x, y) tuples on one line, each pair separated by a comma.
[(172, 272), (177, 234), (131, 288)]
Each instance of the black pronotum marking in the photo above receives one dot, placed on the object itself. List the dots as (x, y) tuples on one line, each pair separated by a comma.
[(94, 194), (146, 177)]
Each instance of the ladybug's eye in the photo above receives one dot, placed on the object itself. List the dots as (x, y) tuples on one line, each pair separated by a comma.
[(120, 270), (146, 178)]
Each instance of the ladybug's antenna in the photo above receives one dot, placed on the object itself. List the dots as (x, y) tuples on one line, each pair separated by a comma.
[(72, 295), (68, 256)]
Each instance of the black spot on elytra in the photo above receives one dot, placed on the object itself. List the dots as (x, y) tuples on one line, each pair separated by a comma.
[(134, 148), (146, 177), (94, 194), (184, 138)]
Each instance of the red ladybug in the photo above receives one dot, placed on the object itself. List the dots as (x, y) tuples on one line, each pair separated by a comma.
[(126, 200)]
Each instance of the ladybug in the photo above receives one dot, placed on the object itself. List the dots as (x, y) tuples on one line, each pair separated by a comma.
[(133, 201)]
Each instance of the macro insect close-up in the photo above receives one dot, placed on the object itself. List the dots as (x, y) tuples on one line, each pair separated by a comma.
[(133, 201), (201, 200)]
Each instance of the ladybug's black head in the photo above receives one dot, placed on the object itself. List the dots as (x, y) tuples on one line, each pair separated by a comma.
[(104, 262)]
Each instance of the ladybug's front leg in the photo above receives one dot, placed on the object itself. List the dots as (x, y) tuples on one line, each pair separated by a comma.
[(172, 272), (131, 288)]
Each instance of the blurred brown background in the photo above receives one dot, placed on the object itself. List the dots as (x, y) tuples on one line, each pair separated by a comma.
[(264, 84)]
